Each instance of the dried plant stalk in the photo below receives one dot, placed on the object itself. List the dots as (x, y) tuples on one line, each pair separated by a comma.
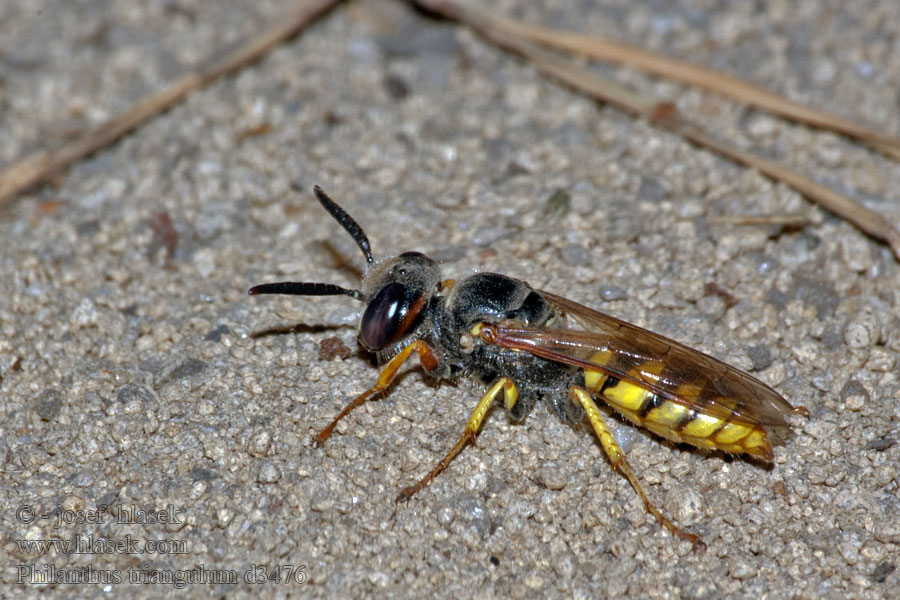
[(43, 164), (727, 85), (508, 34)]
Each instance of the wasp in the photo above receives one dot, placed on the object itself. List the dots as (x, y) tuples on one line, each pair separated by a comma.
[(528, 345)]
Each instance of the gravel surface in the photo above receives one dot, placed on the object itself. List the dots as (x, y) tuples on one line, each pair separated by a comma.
[(139, 376)]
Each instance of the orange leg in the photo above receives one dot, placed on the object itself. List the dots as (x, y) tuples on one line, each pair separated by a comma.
[(426, 357), (617, 459), (503, 385)]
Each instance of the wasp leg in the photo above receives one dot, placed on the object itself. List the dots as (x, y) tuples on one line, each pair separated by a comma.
[(617, 459), (503, 385), (426, 357)]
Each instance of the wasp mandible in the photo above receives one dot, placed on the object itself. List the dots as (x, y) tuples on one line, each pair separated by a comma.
[(527, 345)]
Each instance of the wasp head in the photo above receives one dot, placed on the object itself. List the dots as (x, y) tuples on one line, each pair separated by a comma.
[(396, 290)]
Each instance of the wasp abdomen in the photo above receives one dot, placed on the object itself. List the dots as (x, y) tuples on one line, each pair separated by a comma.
[(673, 420)]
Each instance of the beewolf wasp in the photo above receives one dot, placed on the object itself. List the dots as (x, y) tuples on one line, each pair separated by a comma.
[(528, 345)]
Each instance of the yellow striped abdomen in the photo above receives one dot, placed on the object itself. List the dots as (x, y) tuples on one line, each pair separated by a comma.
[(675, 421)]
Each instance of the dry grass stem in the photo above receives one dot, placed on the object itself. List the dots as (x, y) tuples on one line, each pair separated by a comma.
[(727, 85), (43, 164), (509, 34)]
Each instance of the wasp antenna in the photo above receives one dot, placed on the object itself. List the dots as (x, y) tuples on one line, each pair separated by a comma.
[(346, 221), (302, 288)]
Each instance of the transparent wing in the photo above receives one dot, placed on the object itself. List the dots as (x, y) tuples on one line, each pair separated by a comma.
[(649, 360)]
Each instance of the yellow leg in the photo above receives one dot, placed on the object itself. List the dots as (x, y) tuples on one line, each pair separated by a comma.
[(503, 385), (617, 459), (426, 357)]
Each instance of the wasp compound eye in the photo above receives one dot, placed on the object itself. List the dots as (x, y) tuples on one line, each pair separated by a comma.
[(389, 315)]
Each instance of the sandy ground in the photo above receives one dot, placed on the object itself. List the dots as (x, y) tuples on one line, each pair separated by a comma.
[(138, 375)]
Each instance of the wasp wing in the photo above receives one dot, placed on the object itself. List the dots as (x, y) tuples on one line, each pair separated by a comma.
[(653, 362)]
